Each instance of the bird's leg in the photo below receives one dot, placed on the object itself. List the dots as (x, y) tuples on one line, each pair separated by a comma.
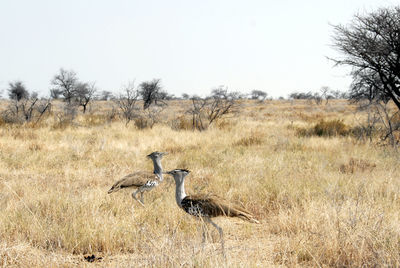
[(134, 196), (221, 235), (204, 230), (141, 198), (200, 229)]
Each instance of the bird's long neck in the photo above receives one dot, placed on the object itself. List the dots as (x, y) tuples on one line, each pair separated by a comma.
[(158, 168), (180, 191)]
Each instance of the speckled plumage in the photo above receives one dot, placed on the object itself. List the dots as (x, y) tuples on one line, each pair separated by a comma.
[(150, 185), (213, 206)]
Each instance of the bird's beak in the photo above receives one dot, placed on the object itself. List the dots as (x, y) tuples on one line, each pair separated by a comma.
[(164, 153), (167, 172)]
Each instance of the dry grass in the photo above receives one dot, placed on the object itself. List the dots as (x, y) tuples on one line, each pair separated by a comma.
[(322, 201), (355, 165)]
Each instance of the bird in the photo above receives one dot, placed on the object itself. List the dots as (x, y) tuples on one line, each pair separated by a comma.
[(206, 206), (142, 180)]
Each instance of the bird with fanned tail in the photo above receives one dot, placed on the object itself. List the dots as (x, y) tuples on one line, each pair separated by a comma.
[(142, 180)]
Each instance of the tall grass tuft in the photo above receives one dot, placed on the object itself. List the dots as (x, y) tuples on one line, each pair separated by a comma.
[(323, 128)]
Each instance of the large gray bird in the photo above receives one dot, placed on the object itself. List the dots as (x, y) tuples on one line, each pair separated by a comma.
[(142, 180), (206, 206)]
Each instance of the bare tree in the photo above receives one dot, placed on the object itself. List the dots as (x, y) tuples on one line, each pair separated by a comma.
[(309, 96), (197, 112), (42, 107), (366, 86), (326, 93), (26, 109), (65, 82), (258, 95), (185, 96), (17, 109), (390, 125), (220, 103), (370, 46), (85, 93), (127, 102), (317, 98), (337, 94), (301, 95), (210, 109), (152, 93), (17, 91)]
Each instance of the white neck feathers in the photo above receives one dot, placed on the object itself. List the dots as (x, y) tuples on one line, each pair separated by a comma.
[(158, 168), (180, 190)]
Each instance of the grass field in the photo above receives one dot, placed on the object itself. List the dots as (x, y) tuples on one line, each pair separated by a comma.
[(321, 201)]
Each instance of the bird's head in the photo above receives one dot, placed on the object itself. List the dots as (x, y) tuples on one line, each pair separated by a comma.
[(178, 174), (156, 155)]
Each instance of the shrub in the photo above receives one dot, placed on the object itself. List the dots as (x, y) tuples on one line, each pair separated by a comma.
[(331, 128), (142, 123), (25, 110), (326, 129)]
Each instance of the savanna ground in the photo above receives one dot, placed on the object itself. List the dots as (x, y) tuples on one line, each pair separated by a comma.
[(321, 201)]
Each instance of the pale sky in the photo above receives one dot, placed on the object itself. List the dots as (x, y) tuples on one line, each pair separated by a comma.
[(192, 46)]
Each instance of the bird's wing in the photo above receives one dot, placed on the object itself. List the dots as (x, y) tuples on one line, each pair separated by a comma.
[(213, 206), (136, 179), (202, 205)]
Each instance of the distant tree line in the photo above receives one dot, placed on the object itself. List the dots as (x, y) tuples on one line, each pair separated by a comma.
[(142, 104), (325, 93)]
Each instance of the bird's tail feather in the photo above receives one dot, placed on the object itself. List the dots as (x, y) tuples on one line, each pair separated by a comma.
[(248, 217), (116, 187), (237, 211)]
